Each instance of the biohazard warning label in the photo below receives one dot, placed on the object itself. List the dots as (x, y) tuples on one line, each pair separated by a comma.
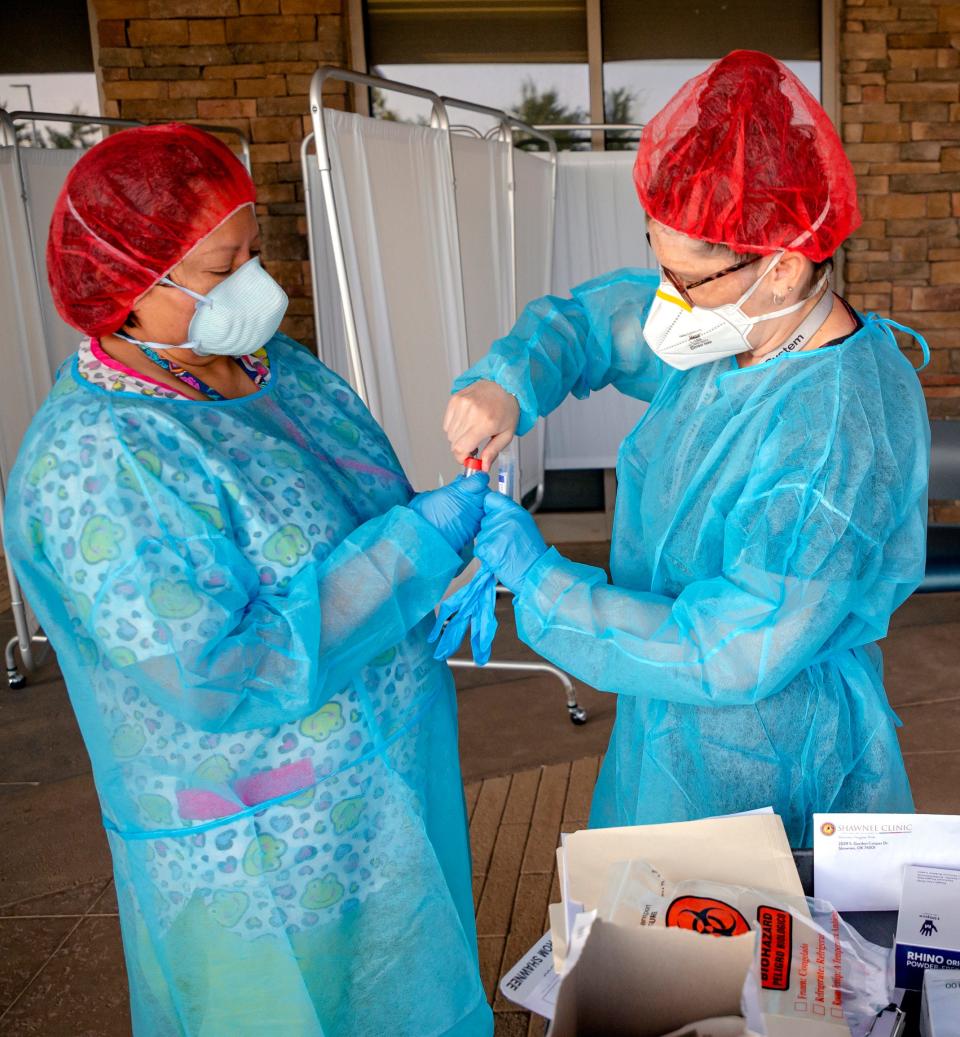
[(706, 915), (776, 947)]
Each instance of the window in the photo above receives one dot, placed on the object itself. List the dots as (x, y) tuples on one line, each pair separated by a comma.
[(526, 58), (61, 92), (647, 57), (543, 62), (46, 65)]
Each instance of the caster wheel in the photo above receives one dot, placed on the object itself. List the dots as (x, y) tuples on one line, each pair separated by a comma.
[(578, 716), (16, 680)]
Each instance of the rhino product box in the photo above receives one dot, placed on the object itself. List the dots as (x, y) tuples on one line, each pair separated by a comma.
[(940, 1011), (928, 929)]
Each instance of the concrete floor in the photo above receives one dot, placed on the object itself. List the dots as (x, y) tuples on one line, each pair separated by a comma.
[(528, 771)]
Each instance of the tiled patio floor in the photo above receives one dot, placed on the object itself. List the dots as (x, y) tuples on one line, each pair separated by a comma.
[(515, 826)]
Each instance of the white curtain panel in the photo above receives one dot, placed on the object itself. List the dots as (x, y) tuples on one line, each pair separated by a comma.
[(34, 341), (26, 372), (535, 224), (483, 221), (393, 184), (599, 227), (533, 179), (45, 170)]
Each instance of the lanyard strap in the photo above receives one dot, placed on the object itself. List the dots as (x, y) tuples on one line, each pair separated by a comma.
[(178, 372), (191, 379), (809, 326)]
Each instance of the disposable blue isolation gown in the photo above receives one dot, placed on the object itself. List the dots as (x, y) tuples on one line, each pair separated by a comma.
[(769, 520), (239, 600)]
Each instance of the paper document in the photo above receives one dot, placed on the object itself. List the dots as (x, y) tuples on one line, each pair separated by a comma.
[(858, 859), (533, 983)]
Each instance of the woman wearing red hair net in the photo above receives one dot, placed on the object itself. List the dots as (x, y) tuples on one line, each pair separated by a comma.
[(238, 582), (771, 509)]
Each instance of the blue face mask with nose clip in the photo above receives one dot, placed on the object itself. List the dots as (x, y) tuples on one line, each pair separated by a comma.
[(235, 318)]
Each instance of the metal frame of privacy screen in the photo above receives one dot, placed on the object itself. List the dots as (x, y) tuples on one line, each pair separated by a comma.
[(587, 127), (506, 129), (25, 639)]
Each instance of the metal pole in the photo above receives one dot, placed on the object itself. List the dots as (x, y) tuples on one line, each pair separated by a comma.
[(549, 127), (336, 237), (29, 89), (11, 118), (102, 120), (505, 132), (24, 640), (311, 239), (578, 714), (540, 491)]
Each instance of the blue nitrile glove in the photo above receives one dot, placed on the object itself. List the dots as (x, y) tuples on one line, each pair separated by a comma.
[(508, 542), (474, 605), (454, 511)]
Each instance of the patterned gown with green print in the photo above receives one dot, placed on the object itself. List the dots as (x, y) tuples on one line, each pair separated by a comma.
[(239, 600)]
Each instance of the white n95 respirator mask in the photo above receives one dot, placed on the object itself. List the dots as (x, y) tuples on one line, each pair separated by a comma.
[(235, 318), (686, 336)]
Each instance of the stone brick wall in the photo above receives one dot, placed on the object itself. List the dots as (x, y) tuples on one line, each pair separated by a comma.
[(242, 63), (900, 80)]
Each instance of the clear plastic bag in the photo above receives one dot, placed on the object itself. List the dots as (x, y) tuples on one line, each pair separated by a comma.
[(810, 965)]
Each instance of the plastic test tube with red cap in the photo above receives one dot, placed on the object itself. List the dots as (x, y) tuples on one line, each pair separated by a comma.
[(506, 479)]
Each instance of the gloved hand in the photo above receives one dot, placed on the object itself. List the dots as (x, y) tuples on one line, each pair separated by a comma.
[(509, 541), (454, 511)]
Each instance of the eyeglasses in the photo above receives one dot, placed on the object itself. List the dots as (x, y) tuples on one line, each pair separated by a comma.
[(683, 288)]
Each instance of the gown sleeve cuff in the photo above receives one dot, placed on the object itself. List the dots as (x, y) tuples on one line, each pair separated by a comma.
[(427, 543), (547, 583), (492, 369)]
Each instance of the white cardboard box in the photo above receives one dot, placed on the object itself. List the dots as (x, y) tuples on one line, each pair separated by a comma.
[(928, 929), (940, 1011), (646, 983)]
